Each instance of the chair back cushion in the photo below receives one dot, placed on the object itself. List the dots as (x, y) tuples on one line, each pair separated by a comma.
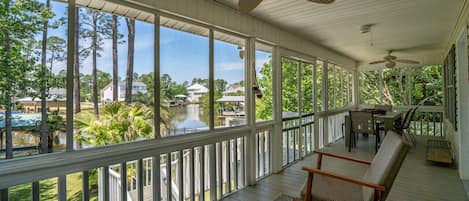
[(386, 164), (362, 122)]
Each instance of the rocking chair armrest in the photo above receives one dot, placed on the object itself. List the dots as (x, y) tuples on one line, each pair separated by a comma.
[(320, 153), (312, 171)]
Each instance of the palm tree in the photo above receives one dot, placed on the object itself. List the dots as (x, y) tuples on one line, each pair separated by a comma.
[(117, 123)]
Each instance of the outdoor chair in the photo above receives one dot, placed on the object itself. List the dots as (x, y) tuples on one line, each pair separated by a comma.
[(386, 108), (361, 122), (374, 185), (403, 127)]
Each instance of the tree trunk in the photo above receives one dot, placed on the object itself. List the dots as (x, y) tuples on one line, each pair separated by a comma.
[(130, 60), (95, 73), (76, 66), (8, 129), (44, 144), (115, 67)]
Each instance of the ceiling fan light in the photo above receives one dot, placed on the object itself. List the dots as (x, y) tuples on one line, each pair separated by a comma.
[(390, 65)]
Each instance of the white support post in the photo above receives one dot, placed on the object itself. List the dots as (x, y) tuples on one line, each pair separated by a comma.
[(277, 156), (70, 66), (156, 77), (315, 106), (251, 120), (325, 104), (300, 111)]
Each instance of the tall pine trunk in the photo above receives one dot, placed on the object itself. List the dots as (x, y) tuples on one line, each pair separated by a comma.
[(45, 146), (130, 60), (95, 74), (115, 67), (8, 131), (76, 66)]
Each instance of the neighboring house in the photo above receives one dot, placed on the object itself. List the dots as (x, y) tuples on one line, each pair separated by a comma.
[(106, 92), (234, 89), (195, 92)]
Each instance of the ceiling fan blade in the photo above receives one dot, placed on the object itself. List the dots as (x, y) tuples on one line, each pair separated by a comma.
[(248, 5), (406, 61), (323, 1), (377, 62)]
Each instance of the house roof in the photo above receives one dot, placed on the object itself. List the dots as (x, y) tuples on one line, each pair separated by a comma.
[(197, 87), (231, 99)]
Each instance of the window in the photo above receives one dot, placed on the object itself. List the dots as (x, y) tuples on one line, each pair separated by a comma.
[(264, 81), (184, 86), (331, 87), (32, 89), (402, 86), (113, 51), (229, 83), (450, 87), (319, 84)]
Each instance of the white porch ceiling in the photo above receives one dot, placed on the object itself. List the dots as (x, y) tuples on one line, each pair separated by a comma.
[(415, 29)]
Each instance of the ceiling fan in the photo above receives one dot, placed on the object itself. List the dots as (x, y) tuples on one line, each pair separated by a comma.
[(249, 5), (391, 60)]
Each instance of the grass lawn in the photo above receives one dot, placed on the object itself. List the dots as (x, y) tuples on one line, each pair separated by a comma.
[(48, 189)]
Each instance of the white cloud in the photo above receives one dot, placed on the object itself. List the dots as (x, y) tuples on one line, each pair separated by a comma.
[(229, 66)]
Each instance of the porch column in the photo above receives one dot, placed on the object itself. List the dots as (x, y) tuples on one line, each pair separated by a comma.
[(277, 148), (250, 118), (462, 100), (325, 104)]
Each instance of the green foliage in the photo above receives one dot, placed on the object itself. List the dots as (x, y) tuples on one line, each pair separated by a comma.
[(264, 105), (422, 86), (118, 122), (170, 88), (289, 85), (20, 20), (87, 85)]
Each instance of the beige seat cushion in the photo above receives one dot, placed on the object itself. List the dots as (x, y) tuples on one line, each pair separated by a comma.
[(326, 188), (385, 164)]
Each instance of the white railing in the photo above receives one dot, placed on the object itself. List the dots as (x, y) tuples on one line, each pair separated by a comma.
[(213, 165), (115, 187), (264, 151), (298, 137)]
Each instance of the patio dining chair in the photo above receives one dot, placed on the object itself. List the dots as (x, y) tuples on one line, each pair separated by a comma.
[(361, 122), (403, 128), (387, 108)]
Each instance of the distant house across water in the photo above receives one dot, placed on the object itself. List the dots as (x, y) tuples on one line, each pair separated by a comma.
[(106, 92), (196, 91)]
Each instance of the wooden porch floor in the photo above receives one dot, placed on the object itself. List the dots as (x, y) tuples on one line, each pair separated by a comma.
[(417, 179)]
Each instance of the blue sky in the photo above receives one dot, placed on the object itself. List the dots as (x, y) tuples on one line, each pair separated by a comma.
[(183, 56)]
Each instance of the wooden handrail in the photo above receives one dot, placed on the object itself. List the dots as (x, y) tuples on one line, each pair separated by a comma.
[(320, 153), (311, 171)]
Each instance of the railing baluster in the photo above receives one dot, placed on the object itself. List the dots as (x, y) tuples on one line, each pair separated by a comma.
[(35, 191), (62, 188), (191, 174), (156, 180), (169, 195), (219, 170), (202, 174), (180, 176), (258, 170), (235, 165), (227, 166), (242, 164), (139, 179), (123, 177), (85, 186), (213, 183)]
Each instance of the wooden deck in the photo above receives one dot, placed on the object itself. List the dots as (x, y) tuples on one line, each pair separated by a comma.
[(417, 179)]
